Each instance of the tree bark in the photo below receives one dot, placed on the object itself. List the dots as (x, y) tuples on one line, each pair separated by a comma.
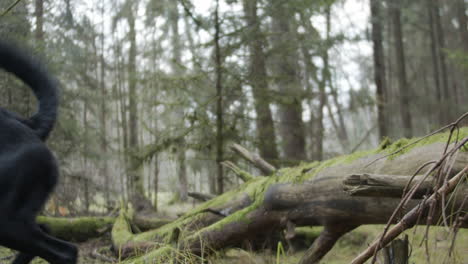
[(219, 104), (385, 185)]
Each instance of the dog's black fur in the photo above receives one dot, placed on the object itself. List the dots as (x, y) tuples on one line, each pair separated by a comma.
[(28, 170)]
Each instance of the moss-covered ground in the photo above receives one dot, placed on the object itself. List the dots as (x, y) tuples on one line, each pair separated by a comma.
[(343, 252)]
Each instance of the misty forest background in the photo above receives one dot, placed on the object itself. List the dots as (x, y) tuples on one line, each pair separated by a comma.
[(154, 91)]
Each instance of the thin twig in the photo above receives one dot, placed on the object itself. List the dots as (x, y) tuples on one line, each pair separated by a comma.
[(404, 201), (363, 139), (411, 217), (10, 8)]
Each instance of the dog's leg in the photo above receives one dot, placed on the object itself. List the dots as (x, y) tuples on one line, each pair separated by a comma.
[(25, 258), (32, 241), (31, 177)]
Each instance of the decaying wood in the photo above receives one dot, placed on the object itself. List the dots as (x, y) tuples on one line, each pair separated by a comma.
[(306, 195), (390, 185), (411, 218), (79, 229), (254, 158), (325, 241), (385, 185)]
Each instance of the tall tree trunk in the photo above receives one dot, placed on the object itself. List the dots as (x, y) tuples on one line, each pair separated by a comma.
[(379, 67), (197, 68), (395, 11), (39, 41), (104, 145), (322, 90), (156, 181), (179, 112), (134, 173), (85, 153), (442, 60), (39, 14), (284, 67), (462, 94), (315, 132), (104, 170), (435, 61), (121, 119), (219, 104), (258, 79)]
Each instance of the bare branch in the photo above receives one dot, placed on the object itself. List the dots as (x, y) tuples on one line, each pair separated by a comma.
[(253, 158)]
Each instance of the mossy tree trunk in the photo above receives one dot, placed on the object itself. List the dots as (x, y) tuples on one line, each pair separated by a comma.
[(307, 195)]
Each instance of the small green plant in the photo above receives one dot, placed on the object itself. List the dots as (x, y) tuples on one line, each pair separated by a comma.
[(279, 252)]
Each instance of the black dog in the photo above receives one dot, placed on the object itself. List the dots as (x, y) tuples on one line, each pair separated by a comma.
[(28, 170)]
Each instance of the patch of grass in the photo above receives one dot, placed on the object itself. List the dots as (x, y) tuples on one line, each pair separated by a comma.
[(350, 245)]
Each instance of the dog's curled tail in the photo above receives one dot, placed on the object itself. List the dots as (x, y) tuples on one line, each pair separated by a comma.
[(36, 77)]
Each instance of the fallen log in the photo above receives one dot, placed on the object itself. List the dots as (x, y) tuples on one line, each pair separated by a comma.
[(306, 195), (77, 229), (80, 229), (201, 196), (390, 185), (385, 185)]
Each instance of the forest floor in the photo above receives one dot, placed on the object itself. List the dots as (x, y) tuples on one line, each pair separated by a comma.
[(347, 248)]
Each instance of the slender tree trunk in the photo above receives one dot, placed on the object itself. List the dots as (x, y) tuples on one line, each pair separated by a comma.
[(395, 11), (104, 171), (122, 126), (312, 71), (258, 79), (134, 173), (179, 112), (322, 90), (197, 68), (379, 67), (219, 104), (284, 67), (85, 150), (341, 127), (39, 14), (442, 60), (39, 41), (462, 94), (435, 60), (104, 145)]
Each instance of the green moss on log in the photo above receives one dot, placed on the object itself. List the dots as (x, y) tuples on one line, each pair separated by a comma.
[(256, 187), (77, 229)]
